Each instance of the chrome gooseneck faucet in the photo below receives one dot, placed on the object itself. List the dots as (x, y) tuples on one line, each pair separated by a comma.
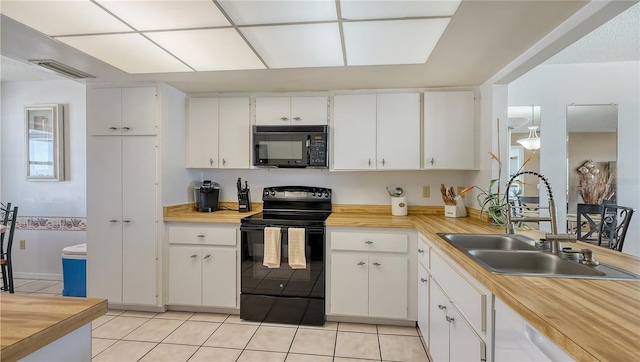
[(552, 206)]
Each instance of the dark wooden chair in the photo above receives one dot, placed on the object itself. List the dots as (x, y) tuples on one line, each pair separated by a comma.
[(8, 217), (614, 223)]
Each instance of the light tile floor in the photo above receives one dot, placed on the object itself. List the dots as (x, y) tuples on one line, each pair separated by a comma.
[(185, 336)]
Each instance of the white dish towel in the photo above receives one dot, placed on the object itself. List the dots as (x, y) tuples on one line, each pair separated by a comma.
[(271, 257), (297, 258)]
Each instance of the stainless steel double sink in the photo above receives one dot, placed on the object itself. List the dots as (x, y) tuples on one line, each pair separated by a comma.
[(518, 255)]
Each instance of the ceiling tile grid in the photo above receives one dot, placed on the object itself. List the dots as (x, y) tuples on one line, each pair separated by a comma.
[(158, 36)]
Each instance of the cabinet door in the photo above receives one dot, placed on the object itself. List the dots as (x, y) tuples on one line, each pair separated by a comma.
[(185, 275), (423, 303), (273, 110), (388, 286), (219, 283), (104, 218), (449, 130), (309, 110), (139, 220), (398, 131), (139, 106), (465, 345), (202, 133), (104, 111), (354, 132), (349, 286), (235, 133), (438, 324)]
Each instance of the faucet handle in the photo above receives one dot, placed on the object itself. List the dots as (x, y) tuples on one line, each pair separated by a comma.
[(588, 258), (572, 238)]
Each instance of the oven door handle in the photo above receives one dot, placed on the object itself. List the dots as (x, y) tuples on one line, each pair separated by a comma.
[(282, 228)]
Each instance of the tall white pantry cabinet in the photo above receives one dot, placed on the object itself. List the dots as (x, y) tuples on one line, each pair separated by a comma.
[(123, 197)]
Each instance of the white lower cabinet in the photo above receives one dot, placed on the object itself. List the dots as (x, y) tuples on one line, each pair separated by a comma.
[(203, 266), (452, 338), (370, 275), (423, 302)]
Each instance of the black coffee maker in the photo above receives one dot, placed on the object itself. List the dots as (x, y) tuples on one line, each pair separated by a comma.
[(205, 195)]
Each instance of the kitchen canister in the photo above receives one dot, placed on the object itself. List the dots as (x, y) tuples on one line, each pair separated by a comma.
[(399, 206)]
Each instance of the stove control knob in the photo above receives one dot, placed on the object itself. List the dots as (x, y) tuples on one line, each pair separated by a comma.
[(266, 192), (273, 193)]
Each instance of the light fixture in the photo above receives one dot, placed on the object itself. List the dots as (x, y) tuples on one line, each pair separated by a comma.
[(533, 141), (61, 69)]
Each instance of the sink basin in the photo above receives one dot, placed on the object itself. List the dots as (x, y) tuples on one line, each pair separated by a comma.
[(530, 262), (489, 241), (518, 255)]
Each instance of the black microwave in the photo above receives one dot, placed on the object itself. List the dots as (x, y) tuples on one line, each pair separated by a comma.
[(291, 146)]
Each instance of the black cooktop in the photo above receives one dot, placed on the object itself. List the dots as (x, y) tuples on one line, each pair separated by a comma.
[(287, 219), (292, 206)]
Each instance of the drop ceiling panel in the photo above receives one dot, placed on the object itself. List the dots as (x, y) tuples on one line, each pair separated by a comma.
[(293, 46), (131, 53), (278, 11), (376, 9), (392, 42), (210, 49), (63, 17), (163, 15)]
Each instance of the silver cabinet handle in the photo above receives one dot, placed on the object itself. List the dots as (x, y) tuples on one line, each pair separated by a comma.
[(211, 161), (423, 280), (432, 161), (361, 263), (440, 306), (383, 162), (449, 319), (420, 251), (113, 220), (194, 256), (224, 162), (201, 236), (284, 118), (369, 163), (368, 242), (126, 221), (296, 118), (113, 128), (377, 264), (207, 256), (126, 128)]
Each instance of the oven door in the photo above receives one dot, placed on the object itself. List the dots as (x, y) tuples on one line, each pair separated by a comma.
[(280, 149), (282, 295), (283, 281)]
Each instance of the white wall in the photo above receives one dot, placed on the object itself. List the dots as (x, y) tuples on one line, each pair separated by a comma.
[(553, 87), (41, 258)]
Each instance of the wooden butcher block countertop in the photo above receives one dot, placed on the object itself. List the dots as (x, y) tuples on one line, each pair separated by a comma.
[(588, 318), (28, 323)]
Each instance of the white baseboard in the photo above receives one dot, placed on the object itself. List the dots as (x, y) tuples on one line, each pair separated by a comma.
[(43, 276)]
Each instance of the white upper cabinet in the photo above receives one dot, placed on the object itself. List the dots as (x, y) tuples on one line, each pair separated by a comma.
[(398, 131), (354, 132), (122, 111), (202, 133), (376, 132), (449, 139), (291, 110), (218, 133)]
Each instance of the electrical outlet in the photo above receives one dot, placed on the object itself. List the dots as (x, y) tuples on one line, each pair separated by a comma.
[(426, 191), (23, 244)]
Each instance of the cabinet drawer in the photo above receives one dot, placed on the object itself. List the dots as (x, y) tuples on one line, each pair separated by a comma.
[(423, 251), (202, 235), (369, 242), (469, 300)]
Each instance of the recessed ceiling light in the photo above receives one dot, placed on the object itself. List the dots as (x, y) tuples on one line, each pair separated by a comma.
[(297, 46), (164, 15), (131, 53), (392, 42), (209, 49), (63, 17)]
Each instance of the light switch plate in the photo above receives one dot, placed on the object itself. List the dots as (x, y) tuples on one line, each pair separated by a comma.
[(426, 191)]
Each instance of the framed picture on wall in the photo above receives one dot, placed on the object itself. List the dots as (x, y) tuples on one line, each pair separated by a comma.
[(44, 132)]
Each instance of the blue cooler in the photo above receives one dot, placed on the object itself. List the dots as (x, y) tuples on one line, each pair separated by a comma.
[(74, 270)]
